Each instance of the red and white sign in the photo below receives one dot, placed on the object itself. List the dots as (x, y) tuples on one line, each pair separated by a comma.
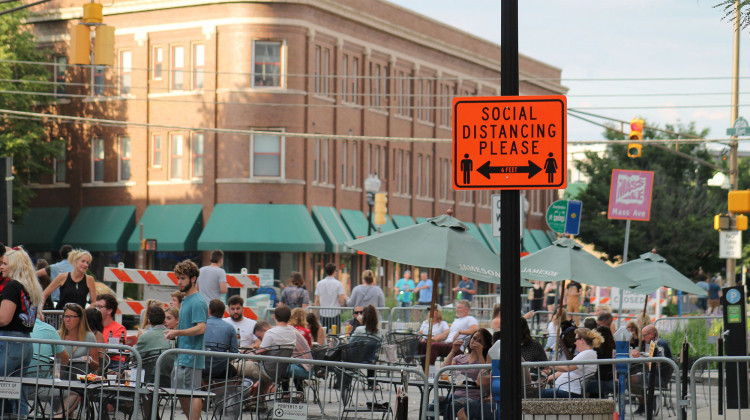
[(630, 195)]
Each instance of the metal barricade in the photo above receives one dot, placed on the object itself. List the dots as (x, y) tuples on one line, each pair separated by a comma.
[(411, 317), (54, 318), (485, 301), (44, 387), (329, 388), (713, 401)]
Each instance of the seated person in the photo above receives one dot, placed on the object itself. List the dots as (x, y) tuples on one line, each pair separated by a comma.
[(660, 349), (219, 337), (531, 350), (299, 321), (462, 328), (602, 384), (440, 328), (355, 321), (153, 342), (568, 379)]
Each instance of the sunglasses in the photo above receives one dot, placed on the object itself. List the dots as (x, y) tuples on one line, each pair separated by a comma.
[(358, 312), (71, 316)]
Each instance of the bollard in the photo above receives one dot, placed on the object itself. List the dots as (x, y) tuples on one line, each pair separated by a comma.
[(622, 347)]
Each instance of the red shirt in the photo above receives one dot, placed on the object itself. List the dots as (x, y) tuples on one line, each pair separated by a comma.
[(116, 329), (305, 333)]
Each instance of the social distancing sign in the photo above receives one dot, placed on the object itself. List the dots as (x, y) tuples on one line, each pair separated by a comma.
[(509, 142)]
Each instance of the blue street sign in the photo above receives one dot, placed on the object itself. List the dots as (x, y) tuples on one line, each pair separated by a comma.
[(573, 219)]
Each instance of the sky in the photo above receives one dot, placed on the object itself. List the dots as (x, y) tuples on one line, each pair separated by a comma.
[(681, 42)]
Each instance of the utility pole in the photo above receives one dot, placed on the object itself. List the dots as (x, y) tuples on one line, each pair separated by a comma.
[(731, 262)]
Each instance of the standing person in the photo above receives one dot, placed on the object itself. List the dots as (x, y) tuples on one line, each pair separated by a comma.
[(714, 294), (75, 286), (244, 326), (191, 328), (466, 289), (19, 302), (212, 281), (550, 293), (44, 281), (367, 293), (113, 331), (573, 296), (424, 287), (330, 293), (54, 270), (403, 291), (295, 295)]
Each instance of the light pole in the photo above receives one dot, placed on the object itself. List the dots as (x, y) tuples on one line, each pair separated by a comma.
[(372, 186)]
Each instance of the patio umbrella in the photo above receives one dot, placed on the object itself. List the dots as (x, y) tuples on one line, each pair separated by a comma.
[(652, 272), (442, 243)]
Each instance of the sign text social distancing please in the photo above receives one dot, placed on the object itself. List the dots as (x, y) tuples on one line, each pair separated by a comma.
[(513, 142)]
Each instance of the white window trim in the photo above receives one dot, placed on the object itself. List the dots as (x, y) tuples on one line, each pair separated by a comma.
[(283, 53), (172, 68), (119, 158), (93, 157), (153, 62), (152, 149), (192, 155), (182, 163), (282, 153)]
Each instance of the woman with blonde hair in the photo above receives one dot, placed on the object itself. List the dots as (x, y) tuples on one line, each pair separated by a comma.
[(145, 326), (19, 302), (570, 378), (171, 317), (299, 321), (75, 286), (367, 293)]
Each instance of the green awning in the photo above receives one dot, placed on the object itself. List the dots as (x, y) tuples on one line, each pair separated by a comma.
[(102, 228), (422, 219), (474, 230), (333, 229), (42, 228), (261, 227), (494, 241), (529, 244), (541, 239), (175, 227), (356, 221), (402, 221), (552, 235)]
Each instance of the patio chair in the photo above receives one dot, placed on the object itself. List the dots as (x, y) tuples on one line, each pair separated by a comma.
[(407, 346)]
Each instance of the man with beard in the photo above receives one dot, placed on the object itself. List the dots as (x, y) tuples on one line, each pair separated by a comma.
[(243, 326), (188, 368)]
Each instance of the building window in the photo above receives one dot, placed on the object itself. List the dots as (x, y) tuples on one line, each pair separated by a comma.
[(266, 154), (355, 164), (59, 164), (324, 161), (199, 62), (318, 58), (196, 151), (400, 92), (376, 159), (61, 66), (428, 176), (326, 71), (267, 64), (126, 69), (98, 80), (418, 99), (175, 156), (156, 150), (124, 153), (345, 81), (178, 67), (355, 80), (428, 101), (158, 60), (399, 162), (375, 87), (97, 160), (419, 175), (407, 172), (316, 160), (344, 160)]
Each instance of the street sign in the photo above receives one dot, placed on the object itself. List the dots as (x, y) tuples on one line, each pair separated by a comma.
[(730, 244), (564, 216), (630, 195), (509, 142), (740, 128)]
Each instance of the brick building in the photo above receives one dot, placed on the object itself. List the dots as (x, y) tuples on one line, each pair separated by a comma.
[(221, 99)]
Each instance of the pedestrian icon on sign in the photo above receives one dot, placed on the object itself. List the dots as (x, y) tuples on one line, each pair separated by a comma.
[(466, 166), (550, 167)]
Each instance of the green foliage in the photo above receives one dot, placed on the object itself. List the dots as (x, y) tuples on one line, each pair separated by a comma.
[(24, 139), (682, 206), (698, 331), (728, 7)]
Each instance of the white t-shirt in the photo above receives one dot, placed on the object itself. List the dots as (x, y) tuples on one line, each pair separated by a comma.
[(551, 336), (458, 325), (437, 329), (209, 281), (246, 327), (571, 381), (329, 290), (280, 336)]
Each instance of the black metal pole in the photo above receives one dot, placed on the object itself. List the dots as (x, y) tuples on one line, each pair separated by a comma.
[(685, 373), (510, 258), (369, 219), (720, 366)]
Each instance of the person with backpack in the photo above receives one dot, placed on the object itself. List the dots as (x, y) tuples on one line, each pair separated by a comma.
[(294, 295)]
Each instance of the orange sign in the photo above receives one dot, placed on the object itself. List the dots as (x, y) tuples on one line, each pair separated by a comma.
[(509, 142)]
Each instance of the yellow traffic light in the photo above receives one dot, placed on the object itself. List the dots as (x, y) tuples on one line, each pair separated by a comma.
[(738, 201), (636, 129), (80, 45), (104, 46), (634, 150), (92, 13), (380, 209), (722, 222), (740, 222)]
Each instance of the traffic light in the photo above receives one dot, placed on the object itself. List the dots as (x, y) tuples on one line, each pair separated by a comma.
[(738, 201), (636, 133), (740, 222), (380, 209), (634, 150), (104, 46), (80, 45), (722, 222), (104, 40)]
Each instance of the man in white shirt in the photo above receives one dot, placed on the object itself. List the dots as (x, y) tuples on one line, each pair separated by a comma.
[(461, 330), (244, 326), (212, 281), (330, 293)]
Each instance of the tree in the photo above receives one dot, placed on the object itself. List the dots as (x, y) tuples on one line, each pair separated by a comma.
[(682, 205), (24, 139)]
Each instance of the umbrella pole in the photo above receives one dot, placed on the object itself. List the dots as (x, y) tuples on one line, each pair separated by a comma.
[(643, 316), (559, 319), (429, 322)]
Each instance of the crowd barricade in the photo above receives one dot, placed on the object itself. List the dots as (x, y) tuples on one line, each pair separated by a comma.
[(485, 301), (54, 317), (284, 388), (45, 387), (715, 400), (339, 316), (410, 318)]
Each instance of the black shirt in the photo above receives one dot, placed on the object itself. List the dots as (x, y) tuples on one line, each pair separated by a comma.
[(71, 291), (25, 315)]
